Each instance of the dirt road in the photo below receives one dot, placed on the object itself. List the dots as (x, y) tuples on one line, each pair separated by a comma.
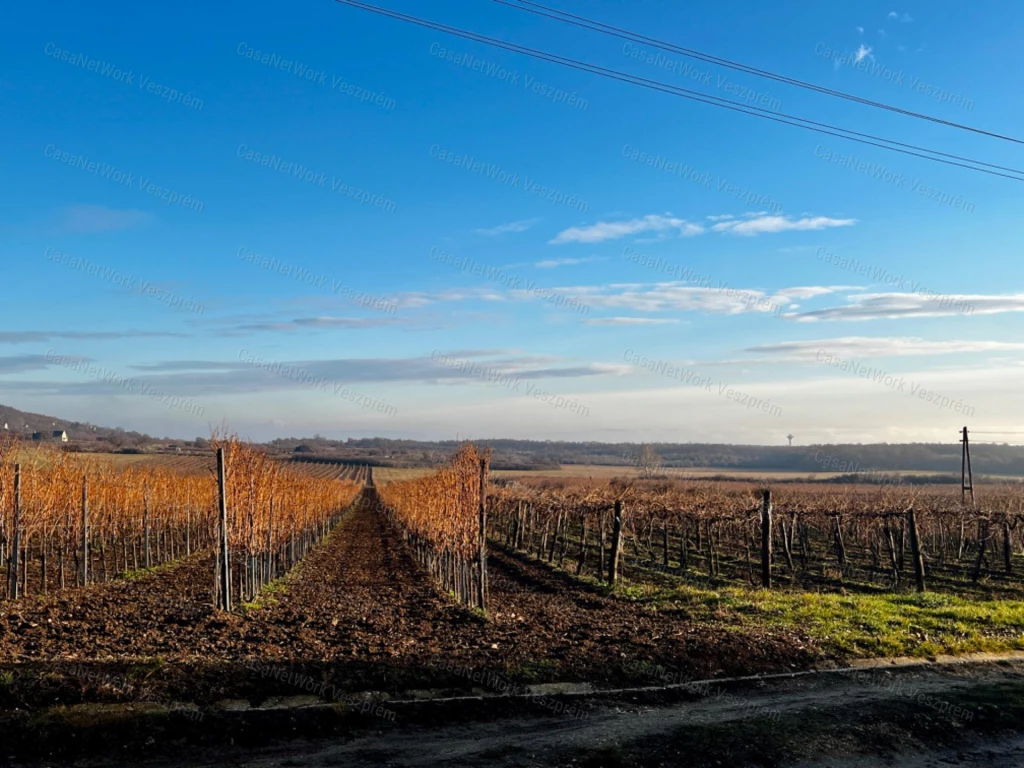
[(918, 717)]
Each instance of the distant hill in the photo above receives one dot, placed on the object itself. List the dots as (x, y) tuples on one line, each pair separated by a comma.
[(24, 424), (987, 459)]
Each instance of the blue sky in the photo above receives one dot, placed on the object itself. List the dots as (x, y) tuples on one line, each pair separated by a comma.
[(310, 218)]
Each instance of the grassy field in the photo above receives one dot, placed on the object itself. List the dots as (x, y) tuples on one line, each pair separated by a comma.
[(852, 625), (42, 455)]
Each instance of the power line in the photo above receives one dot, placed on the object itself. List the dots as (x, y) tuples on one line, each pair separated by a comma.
[(735, 106), (586, 23)]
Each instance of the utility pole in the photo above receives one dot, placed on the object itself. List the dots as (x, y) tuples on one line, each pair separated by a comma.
[(966, 476)]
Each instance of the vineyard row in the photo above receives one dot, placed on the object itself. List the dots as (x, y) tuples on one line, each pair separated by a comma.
[(70, 522)]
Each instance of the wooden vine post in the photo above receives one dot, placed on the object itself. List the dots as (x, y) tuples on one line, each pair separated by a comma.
[(147, 559), (85, 531), (613, 564), (13, 562), (915, 549), (766, 540), (223, 555), (481, 597), (1007, 544)]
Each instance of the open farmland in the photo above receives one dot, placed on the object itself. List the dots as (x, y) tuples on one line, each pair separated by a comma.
[(345, 589)]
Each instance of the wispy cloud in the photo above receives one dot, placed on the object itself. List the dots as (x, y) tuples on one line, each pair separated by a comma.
[(88, 219), (632, 321), (195, 378), (866, 346), (417, 299), (748, 225), (23, 363), (335, 323), (612, 230), (25, 337), (677, 295), (863, 52), (873, 306), (809, 292), (771, 224), (685, 297), (552, 263), (503, 229)]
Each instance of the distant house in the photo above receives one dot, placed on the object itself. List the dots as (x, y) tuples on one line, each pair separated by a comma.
[(60, 435), (37, 436)]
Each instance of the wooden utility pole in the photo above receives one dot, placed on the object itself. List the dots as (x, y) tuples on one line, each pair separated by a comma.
[(766, 540), (966, 476), (613, 560), (85, 530), (223, 555), (915, 549), (13, 562)]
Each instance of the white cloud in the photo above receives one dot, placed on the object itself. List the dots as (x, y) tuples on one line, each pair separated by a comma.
[(863, 51), (676, 295), (512, 226), (866, 346), (416, 299), (872, 306), (685, 297), (860, 30), (338, 323), (772, 224), (552, 263), (893, 15), (756, 223), (631, 321), (786, 295), (612, 230)]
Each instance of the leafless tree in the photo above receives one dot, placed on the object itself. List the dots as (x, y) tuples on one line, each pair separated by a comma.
[(649, 461)]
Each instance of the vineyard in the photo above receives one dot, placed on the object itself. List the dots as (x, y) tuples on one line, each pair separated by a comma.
[(331, 470), (70, 521), (443, 519), (801, 536), (234, 575)]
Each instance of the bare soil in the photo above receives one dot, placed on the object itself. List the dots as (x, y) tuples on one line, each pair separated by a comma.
[(358, 614)]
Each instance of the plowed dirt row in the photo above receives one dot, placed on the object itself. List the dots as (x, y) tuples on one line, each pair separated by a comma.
[(360, 614)]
